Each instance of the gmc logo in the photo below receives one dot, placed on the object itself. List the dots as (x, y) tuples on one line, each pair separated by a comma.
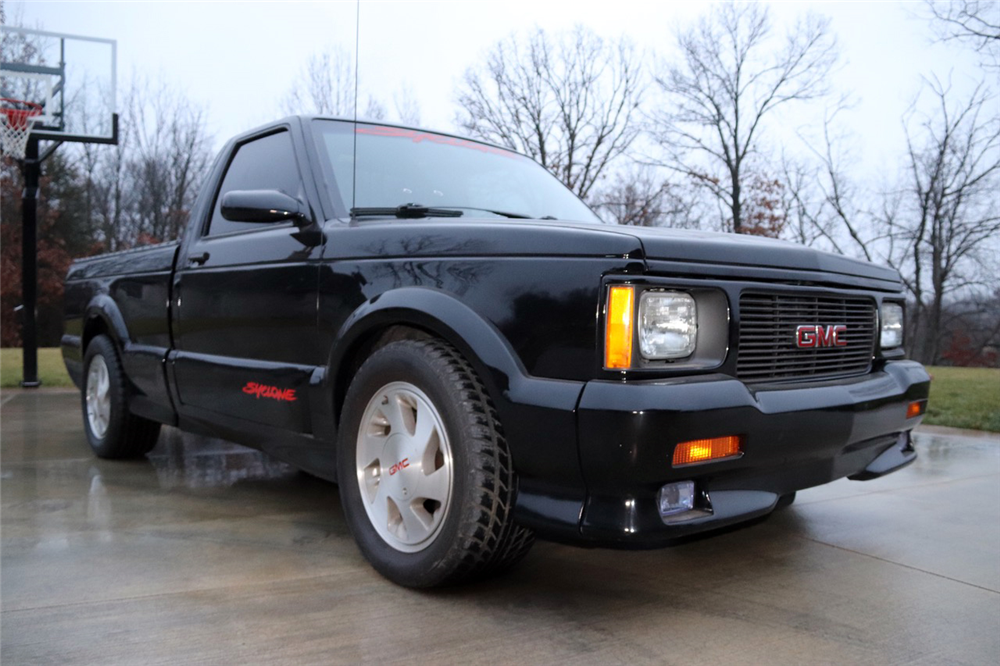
[(401, 465), (810, 336)]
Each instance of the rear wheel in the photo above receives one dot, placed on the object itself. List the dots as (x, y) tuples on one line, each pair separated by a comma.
[(425, 476), (112, 430)]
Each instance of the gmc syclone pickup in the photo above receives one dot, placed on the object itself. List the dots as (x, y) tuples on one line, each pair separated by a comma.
[(443, 329)]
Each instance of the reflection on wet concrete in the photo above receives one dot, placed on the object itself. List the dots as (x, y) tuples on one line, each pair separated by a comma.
[(936, 445), (194, 461), (209, 552)]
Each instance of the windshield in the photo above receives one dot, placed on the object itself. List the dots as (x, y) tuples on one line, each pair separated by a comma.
[(396, 167)]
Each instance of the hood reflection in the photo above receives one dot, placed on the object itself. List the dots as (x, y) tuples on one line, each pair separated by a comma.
[(183, 460)]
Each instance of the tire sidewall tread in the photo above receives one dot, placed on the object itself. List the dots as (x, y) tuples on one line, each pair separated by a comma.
[(128, 435), (476, 534)]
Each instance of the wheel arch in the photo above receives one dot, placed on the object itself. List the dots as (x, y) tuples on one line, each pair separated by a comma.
[(415, 313), (102, 316)]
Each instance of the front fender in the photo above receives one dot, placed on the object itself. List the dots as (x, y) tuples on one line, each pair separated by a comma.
[(438, 313), (538, 415)]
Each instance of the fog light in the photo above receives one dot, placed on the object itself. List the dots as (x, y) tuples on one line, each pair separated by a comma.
[(676, 498)]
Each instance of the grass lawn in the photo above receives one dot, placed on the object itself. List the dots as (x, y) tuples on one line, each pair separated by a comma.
[(964, 398), (960, 397), (51, 370)]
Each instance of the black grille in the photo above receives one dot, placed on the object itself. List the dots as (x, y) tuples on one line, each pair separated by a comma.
[(768, 323)]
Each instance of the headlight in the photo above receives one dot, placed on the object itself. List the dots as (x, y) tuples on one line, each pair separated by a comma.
[(668, 324), (892, 325)]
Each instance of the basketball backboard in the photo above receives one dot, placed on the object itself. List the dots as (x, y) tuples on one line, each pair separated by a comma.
[(71, 77)]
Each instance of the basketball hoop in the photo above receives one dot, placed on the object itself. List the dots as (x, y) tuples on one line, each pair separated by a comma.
[(17, 118)]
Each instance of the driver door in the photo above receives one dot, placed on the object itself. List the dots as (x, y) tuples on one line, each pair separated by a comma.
[(245, 298)]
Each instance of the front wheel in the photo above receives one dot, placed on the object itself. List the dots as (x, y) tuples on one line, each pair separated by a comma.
[(425, 476), (112, 430)]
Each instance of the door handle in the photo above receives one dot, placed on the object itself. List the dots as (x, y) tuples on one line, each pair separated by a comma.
[(198, 258)]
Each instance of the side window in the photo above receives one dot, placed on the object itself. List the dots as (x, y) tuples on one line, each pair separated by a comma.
[(267, 163)]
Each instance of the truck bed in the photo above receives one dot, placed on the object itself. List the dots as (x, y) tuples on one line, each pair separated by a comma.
[(138, 281)]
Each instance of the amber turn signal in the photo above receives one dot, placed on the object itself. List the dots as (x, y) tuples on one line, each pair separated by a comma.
[(916, 408), (703, 450), (618, 328)]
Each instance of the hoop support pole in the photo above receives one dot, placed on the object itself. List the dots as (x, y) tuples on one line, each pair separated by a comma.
[(29, 265), (48, 151)]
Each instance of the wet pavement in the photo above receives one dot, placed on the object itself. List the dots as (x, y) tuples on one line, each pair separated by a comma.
[(209, 552)]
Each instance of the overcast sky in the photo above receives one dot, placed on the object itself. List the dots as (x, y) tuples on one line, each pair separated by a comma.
[(238, 59)]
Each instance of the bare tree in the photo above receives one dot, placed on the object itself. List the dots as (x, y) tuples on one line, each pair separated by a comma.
[(975, 23), (406, 105), (569, 101), (114, 198), (730, 77), (636, 198), (823, 203), (171, 157), (325, 87), (374, 110), (642, 196), (108, 194), (946, 219), (971, 330)]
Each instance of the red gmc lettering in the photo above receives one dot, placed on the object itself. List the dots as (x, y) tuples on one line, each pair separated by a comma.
[(805, 336), (402, 464), (810, 336), (273, 392)]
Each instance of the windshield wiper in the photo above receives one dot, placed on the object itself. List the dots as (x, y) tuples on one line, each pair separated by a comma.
[(406, 211)]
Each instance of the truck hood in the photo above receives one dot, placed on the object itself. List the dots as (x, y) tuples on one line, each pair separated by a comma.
[(664, 250), (751, 251)]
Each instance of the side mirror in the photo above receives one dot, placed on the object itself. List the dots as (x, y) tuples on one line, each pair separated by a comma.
[(263, 206)]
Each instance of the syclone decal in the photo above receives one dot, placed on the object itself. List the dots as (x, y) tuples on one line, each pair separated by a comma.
[(273, 392)]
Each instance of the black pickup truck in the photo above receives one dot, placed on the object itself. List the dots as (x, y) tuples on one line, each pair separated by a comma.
[(443, 329)]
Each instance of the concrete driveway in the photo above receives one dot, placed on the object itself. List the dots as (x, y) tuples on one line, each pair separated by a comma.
[(209, 552)]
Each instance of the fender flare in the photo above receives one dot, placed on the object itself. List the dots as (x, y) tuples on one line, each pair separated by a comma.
[(103, 307), (441, 314)]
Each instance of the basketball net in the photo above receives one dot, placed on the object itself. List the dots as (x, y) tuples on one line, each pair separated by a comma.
[(17, 118)]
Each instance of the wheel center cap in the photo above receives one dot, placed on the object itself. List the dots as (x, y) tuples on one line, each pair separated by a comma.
[(396, 466)]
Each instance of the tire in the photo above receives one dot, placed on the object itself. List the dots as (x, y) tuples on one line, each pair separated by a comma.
[(112, 430), (785, 501), (425, 476)]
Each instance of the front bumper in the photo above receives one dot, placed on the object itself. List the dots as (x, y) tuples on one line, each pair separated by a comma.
[(795, 436)]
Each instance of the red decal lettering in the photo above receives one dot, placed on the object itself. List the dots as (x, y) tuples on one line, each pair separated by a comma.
[(264, 391), (402, 464)]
